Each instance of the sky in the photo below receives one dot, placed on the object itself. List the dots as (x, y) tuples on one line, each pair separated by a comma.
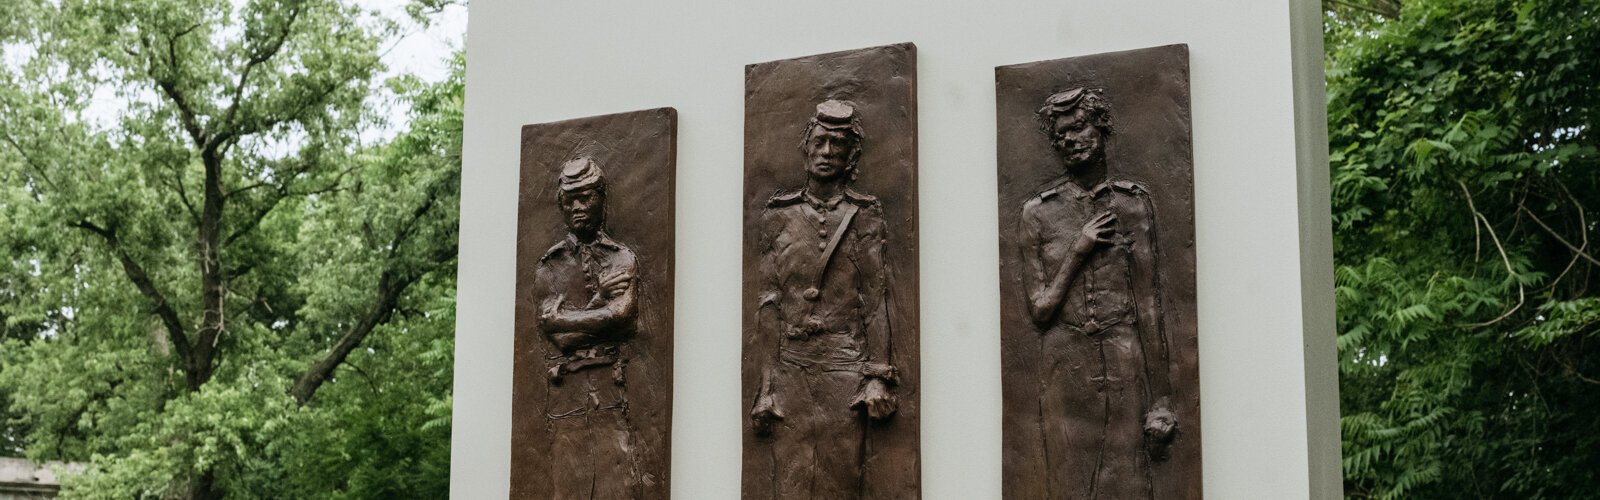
[(424, 51)]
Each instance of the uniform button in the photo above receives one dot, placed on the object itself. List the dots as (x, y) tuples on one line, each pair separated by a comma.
[(822, 233), (822, 246)]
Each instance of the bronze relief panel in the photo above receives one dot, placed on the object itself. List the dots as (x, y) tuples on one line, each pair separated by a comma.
[(1098, 329), (830, 374), (592, 395)]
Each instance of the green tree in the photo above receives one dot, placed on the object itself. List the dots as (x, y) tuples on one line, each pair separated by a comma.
[(1464, 162), (221, 291)]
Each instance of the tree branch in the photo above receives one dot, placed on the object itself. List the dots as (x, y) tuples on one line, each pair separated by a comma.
[(1383, 8), (169, 87), (391, 284), (252, 185), (1521, 294), (371, 382), (31, 162), (255, 220), (183, 193), (409, 225), (229, 128), (147, 287), (1574, 371), (390, 287), (389, 291), (283, 192), (1575, 249)]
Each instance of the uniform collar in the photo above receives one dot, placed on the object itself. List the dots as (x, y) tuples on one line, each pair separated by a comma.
[(601, 240), (1065, 185), (820, 204)]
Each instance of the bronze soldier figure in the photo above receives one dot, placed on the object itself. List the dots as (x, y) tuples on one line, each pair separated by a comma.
[(585, 288), (825, 297), (1088, 245)]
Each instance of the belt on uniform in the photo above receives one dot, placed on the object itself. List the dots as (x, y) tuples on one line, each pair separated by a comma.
[(589, 357), (884, 371), (811, 328), (1094, 327)]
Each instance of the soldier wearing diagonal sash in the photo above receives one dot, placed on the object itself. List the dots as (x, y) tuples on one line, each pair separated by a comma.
[(825, 296)]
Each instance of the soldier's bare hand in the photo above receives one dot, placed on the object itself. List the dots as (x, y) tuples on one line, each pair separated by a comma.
[(1098, 230), (616, 284), (550, 307), (1160, 423), (876, 400)]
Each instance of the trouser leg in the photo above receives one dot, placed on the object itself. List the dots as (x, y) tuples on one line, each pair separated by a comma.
[(1123, 473), (817, 447), (1072, 413), (591, 452)]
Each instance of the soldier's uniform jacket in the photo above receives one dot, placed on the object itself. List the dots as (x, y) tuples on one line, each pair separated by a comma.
[(827, 308), (1115, 284), (1103, 355), (576, 272)]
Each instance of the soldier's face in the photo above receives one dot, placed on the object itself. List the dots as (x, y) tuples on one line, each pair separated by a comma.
[(583, 209), (828, 152), (1077, 140)]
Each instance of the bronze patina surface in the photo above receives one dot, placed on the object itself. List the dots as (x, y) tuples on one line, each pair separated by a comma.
[(1098, 330), (592, 399), (830, 370)]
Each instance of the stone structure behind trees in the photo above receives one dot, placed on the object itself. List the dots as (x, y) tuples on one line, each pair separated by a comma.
[(21, 479)]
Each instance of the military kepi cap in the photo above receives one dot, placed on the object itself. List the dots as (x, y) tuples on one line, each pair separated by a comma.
[(1066, 100), (835, 114), (580, 173)]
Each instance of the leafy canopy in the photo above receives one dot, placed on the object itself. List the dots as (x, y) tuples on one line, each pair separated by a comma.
[(217, 288), (1464, 189)]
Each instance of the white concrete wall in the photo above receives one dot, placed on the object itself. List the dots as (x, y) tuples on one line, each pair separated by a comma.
[(1265, 282)]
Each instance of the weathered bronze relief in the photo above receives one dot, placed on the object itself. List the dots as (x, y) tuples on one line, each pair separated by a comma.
[(592, 399), (1101, 378), (830, 277)]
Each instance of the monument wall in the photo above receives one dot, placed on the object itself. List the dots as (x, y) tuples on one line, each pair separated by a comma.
[(1263, 268)]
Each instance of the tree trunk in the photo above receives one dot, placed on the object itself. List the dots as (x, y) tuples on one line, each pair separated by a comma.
[(213, 282), (205, 487)]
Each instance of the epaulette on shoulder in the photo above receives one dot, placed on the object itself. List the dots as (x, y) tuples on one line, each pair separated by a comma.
[(1129, 186), (865, 200), (605, 240), (785, 198), (554, 249), (1051, 191)]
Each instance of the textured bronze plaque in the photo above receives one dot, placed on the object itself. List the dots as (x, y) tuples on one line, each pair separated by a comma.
[(1097, 271), (592, 404), (830, 276)]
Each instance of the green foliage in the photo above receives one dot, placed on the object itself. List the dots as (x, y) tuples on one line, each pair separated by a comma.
[(216, 289), (1464, 155)]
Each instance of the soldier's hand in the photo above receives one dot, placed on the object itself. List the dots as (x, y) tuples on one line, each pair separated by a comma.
[(550, 307), (876, 400), (615, 285), (1160, 423), (765, 415), (1098, 230)]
